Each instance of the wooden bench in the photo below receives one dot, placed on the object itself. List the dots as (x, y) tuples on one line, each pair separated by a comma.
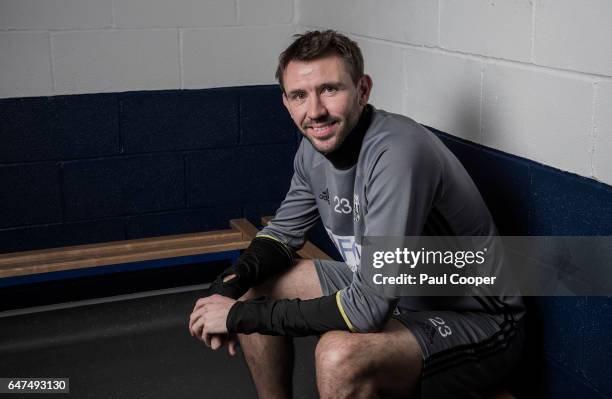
[(237, 237)]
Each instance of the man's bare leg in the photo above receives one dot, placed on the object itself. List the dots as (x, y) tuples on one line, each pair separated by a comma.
[(270, 358), (367, 365)]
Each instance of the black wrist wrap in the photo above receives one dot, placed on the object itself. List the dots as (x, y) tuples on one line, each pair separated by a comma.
[(264, 257), (290, 317)]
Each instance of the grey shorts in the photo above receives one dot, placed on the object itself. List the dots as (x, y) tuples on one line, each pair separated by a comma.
[(463, 352)]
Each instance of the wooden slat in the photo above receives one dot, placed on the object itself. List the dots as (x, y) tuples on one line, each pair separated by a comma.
[(245, 227), (308, 251), (111, 248), (119, 252), (74, 264), (142, 249)]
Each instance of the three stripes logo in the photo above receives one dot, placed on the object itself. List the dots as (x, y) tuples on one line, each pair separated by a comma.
[(325, 196)]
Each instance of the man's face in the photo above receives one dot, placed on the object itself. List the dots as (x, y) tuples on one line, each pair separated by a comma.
[(323, 101)]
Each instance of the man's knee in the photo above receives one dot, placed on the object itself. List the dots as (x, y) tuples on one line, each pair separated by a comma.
[(363, 365), (333, 349), (341, 369)]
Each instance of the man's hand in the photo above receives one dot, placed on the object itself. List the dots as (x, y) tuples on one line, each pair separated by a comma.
[(208, 322)]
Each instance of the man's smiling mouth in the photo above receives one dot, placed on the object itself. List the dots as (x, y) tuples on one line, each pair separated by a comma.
[(322, 130)]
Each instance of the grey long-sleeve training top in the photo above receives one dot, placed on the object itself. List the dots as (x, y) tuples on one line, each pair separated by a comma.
[(405, 183)]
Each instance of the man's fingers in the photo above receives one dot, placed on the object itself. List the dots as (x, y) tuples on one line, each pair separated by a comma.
[(199, 303), (206, 337), (232, 345), (217, 341), (194, 318)]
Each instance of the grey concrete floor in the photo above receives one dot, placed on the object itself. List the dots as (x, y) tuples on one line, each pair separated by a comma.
[(132, 346)]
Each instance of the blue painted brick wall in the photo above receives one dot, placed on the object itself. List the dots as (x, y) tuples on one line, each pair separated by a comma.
[(179, 222), (569, 351), (62, 127), (123, 186), (29, 194), (262, 120), (62, 234), (179, 120), (101, 167)]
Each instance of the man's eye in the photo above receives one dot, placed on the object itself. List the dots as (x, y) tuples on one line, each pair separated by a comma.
[(299, 96), (329, 89)]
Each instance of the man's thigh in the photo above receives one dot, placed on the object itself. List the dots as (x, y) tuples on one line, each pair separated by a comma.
[(298, 281)]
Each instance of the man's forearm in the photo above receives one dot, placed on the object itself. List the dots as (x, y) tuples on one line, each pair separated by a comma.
[(263, 258), (289, 317)]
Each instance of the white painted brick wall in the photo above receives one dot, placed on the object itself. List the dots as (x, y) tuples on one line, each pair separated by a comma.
[(384, 63), (176, 13), (496, 28), (408, 21), (108, 61), (25, 64), (244, 56), (539, 60), (85, 46), (265, 12), (538, 115), (602, 162), (55, 14), (574, 35), (443, 92)]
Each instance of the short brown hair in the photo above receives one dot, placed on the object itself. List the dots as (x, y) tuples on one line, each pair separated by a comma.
[(318, 44)]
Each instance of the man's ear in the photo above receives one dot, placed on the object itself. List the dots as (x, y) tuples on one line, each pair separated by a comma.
[(285, 101), (365, 88)]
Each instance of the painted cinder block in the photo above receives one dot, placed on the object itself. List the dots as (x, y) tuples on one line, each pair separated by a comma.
[(112, 60), (528, 112), (492, 28), (253, 211), (179, 120), (443, 92), (178, 13), (55, 14), (565, 204), (503, 182), (560, 321), (30, 194), (597, 346), (408, 21), (574, 35), (602, 157), (263, 117), (210, 62), (214, 178), (60, 235), (181, 222), (239, 175), (265, 12), (559, 325), (565, 384), (60, 127), (385, 64), (25, 64), (123, 186)]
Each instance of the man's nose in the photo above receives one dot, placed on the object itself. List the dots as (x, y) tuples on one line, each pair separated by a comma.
[(316, 108)]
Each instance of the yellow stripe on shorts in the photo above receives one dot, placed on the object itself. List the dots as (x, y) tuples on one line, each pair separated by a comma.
[(346, 319)]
